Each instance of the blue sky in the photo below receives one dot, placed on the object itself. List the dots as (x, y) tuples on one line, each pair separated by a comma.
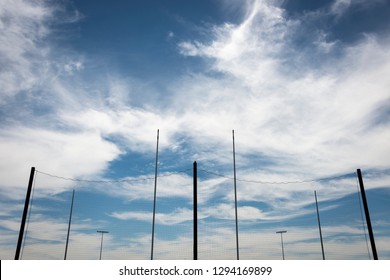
[(86, 84)]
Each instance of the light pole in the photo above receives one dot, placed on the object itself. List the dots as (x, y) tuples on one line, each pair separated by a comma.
[(101, 243), (319, 226), (281, 240)]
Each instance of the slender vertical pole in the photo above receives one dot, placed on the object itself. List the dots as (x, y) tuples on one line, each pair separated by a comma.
[(235, 195), (101, 247), (365, 205), (70, 221), (195, 211), (25, 211), (155, 195), (101, 242), (281, 240), (319, 226)]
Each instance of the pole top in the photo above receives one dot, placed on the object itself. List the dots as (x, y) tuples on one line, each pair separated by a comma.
[(102, 231), (282, 231)]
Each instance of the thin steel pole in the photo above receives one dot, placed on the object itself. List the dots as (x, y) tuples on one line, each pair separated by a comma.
[(155, 195), (235, 195), (195, 211), (101, 242), (365, 205), (281, 240), (25, 211), (319, 226), (70, 221)]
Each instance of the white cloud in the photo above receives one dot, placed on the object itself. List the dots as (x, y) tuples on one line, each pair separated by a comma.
[(179, 215), (73, 66), (136, 126), (22, 29), (170, 35), (66, 153), (189, 49), (340, 7), (280, 105)]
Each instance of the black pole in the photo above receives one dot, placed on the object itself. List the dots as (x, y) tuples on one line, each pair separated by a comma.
[(195, 211), (367, 213), (25, 211), (155, 195), (70, 221), (319, 226)]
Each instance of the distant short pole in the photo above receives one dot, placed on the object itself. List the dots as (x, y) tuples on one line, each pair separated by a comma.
[(101, 242), (367, 213), (281, 240), (195, 211), (25, 211)]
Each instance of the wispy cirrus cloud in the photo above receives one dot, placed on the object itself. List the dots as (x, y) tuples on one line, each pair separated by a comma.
[(177, 216), (278, 94), (22, 51), (339, 7)]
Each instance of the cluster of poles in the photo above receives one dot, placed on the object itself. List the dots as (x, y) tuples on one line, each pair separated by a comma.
[(195, 213)]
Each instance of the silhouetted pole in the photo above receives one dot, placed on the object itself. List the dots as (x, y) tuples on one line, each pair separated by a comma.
[(235, 195), (101, 242), (25, 211), (155, 195), (70, 221), (319, 226), (365, 205), (195, 211), (281, 240)]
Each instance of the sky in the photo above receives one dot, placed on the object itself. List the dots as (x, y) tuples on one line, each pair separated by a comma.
[(86, 85)]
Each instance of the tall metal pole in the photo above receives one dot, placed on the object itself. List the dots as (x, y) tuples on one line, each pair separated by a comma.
[(319, 226), (101, 242), (367, 213), (195, 211), (235, 195), (155, 195), (70, 221), (281, 240), (25, 211)]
